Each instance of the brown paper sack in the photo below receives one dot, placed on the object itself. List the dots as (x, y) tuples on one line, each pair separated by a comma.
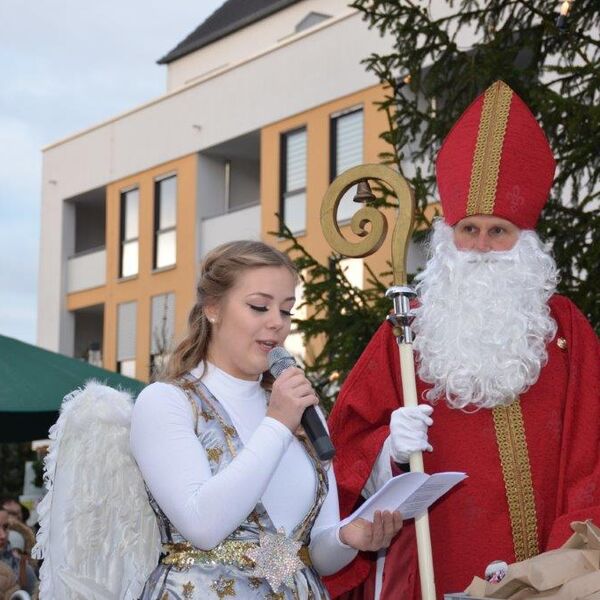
[(571, 572)]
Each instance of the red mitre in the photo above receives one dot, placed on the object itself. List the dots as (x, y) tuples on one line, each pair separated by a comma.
[(496, 160)]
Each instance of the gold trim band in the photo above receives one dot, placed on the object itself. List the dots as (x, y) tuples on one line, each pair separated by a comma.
[(488, 149), (229, 552), (514, 457)]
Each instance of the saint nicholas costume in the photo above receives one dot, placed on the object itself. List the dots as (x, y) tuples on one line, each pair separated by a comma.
[(533, 466)]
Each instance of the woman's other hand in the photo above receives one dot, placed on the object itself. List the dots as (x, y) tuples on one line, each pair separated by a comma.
[(292, 393), (364, 535)]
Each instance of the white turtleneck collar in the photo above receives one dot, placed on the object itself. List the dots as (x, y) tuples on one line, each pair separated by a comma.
[(245, 401)]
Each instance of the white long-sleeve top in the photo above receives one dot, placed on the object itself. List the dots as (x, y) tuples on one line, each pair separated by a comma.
[(273, 467)]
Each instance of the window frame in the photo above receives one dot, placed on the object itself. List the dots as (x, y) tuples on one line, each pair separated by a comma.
[(333, 126), (285, 194), (123, 241), (156, 231)]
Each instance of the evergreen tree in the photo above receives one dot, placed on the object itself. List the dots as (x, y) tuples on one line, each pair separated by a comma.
[(342, 317), (430, 76)]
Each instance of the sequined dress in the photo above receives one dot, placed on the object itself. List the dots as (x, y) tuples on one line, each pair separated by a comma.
[(245, 564)]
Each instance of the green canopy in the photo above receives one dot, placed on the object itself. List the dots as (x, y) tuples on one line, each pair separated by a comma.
[(33, 382)]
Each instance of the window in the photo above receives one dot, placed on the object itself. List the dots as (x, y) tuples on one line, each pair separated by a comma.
[(130, 205), (165, 219), (293, 180), (161, 329), (346, 143), (310, 20), (126, 338)]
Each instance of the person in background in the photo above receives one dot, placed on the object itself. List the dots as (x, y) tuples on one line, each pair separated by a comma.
[(13, 507), (15, 558)]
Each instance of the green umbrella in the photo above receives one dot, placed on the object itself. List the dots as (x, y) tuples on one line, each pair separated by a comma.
[(33, 382)]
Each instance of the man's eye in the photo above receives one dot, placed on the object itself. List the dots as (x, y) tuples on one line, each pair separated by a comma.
[(258, 308)]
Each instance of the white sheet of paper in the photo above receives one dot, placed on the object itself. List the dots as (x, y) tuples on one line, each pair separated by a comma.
[(410, 493)]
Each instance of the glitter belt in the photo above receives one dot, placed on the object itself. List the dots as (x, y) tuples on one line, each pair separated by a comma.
[(183, 555)]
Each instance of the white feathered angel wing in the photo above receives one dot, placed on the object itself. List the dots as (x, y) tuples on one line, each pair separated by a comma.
[(98, 535)]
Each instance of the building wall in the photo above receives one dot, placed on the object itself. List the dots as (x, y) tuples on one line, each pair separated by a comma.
[(215, 109), (147, 283)]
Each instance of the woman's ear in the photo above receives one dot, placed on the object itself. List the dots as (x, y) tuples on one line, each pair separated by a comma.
[(212, 314)]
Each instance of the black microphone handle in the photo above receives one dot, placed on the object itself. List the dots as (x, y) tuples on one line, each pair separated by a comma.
[(317, 434), (280, 360)]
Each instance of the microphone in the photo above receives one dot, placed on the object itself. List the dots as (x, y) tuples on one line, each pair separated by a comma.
[(279, 360)]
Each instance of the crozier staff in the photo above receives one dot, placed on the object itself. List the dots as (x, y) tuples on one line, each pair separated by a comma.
[(244, 507)]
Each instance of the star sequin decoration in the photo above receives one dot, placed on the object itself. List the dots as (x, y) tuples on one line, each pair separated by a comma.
[(276, 558), (214, 454), (254, 582), (188, 590), (223, 587)]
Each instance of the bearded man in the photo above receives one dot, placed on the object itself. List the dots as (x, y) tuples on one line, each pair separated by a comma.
[(508, 374)]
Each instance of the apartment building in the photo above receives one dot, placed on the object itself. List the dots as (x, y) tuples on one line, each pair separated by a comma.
[(266, 102)]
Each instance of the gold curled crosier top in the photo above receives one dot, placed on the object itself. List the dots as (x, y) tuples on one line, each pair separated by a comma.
[(373, 237), (514, 458), (488, 149)]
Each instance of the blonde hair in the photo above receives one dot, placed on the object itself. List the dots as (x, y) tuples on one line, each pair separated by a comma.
[(219, 272)]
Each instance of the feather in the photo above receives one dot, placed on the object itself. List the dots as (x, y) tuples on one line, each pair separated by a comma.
[(98, 535)]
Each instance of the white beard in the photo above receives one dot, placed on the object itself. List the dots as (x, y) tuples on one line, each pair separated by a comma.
[(484, 322)]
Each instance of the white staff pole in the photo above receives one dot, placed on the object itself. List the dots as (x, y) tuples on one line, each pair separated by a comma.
[(370, 240), (401, 320)]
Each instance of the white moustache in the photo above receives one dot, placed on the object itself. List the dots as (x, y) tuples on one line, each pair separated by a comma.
[(488, 258)]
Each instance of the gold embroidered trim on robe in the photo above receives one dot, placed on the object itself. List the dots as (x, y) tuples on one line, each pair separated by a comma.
[(514, 457), (488, 149)]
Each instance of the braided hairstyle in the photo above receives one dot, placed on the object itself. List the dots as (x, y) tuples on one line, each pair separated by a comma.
[(218, 273)]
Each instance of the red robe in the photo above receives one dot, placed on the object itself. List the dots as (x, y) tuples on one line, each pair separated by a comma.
[(470, 526)]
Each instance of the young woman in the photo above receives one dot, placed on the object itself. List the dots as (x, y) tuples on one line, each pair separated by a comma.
[(244, 507)]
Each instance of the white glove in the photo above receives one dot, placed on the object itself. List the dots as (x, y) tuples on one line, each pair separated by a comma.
[(408, 431)]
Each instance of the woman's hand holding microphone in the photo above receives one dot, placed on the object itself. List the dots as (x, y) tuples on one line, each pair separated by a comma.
[(292, 393)]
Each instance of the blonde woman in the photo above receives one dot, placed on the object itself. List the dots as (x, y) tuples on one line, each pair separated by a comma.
[(244, 507)]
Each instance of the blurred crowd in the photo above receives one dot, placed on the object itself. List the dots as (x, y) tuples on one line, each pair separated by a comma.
[(18, 571)]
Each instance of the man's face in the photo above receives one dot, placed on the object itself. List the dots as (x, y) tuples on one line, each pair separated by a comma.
[(13, 509), (485, 233), (3, 528)]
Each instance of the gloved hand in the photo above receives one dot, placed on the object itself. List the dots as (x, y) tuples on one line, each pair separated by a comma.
[(408, 431)]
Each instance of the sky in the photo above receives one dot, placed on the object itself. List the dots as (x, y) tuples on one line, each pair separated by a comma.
[(66, 65)]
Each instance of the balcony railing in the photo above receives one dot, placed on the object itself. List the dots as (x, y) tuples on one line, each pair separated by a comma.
[(243, 224), (86, 270)]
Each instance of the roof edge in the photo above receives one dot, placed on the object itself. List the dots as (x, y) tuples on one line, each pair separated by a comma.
[(177, 52), (200, 81)]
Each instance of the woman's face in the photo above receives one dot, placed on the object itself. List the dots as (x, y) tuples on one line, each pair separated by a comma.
[(252, 318)]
